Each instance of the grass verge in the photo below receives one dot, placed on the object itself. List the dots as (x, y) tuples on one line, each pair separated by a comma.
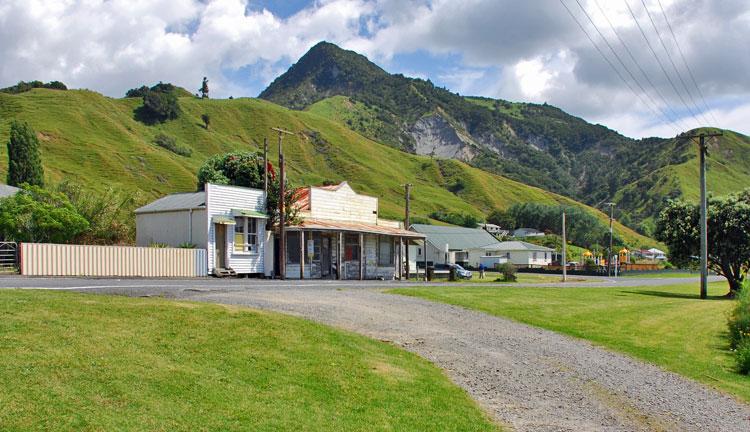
[(668, 326), (83, 362)]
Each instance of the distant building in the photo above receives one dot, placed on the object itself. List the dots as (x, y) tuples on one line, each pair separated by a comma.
[(6, 190), (453, 245), (522, 253), (495, 230), (527, 232)]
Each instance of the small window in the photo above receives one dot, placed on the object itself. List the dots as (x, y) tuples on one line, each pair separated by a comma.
[(507, 255), (533, 256), (351, 247), (245, 234), (292, 247), (385, 251)]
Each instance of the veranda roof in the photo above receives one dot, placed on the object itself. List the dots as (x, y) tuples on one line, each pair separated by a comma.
[(353, 227)]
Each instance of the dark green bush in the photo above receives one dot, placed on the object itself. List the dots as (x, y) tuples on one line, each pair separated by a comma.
[(739, 329), (508, 271), (743, 356), (170, 143), (26, 86), (460, 219)]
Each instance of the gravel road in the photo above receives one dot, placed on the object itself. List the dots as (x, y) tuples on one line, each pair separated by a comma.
[(527, 378)]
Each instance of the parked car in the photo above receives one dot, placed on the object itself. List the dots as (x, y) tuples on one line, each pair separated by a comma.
[(461, 272)]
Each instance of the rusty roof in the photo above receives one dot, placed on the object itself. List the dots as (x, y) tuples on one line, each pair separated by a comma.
[(328, 225)]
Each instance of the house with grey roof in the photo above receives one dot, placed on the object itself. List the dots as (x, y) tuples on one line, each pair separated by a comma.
[(453, 245), (228, 221), (7, 190), (521, 253)]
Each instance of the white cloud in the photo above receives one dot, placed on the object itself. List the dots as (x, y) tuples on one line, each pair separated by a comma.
[(530, 50)]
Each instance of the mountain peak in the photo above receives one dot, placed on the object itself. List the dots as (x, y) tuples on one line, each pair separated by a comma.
[(325, 70)]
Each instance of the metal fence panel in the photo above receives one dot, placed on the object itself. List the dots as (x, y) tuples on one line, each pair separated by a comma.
[(46, 259)]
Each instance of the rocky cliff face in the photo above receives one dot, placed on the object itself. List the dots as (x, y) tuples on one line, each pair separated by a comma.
[(435, 136)]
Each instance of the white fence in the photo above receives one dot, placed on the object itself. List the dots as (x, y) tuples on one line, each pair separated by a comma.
[(45, 259)]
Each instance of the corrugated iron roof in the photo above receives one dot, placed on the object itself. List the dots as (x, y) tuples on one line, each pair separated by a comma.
[(327, 225), (7, 190), (457, 238), (174, 202), (517, 246)]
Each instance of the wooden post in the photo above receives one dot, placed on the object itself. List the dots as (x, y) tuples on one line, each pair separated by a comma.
[(265, 167), (340, 257), (424, 254), (397, 244), (361, 256), (407, 222), (564, 250), (301, 254), (282, 222)]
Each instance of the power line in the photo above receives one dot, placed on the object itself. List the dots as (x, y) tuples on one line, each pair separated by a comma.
[(618, 59), (640, 68), (601, 53), (661, 66), (674, 66), (687, 66)]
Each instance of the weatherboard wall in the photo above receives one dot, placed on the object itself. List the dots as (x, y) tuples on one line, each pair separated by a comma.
[(343, 204), (172, 228), (220, 201)]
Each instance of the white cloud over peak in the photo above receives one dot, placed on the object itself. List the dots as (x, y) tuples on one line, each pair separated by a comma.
[(520, 50)]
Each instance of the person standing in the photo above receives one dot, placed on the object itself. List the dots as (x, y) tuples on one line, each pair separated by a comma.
[(482, 268)]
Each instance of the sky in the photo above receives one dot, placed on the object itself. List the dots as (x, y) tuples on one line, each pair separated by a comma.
[(641, 67)]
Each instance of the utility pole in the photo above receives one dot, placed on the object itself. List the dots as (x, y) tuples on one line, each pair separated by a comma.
[(407, 225), (265, 167), (703, 150), (564, 250), (609, 252), (282, 222)]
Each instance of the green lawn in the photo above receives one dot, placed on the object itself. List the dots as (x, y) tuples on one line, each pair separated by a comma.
[(83, 362), (668, 326), (662, 275), (492, 276)]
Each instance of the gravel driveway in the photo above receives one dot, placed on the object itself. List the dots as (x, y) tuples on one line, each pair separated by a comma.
[(527, 378)]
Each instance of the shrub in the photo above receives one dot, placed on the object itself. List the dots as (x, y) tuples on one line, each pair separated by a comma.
[(739, 319), (156, 245), (170, 143), (160, 106), (186, 245), (38, 215), (460, 219), (739, 329), (508, 271), (743, 356)]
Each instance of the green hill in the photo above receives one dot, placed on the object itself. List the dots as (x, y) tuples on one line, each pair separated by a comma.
[(538, 145), (96, 141)]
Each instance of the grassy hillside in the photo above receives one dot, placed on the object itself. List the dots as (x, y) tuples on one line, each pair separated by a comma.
[(95, 140), (537, 144), (728, 171)]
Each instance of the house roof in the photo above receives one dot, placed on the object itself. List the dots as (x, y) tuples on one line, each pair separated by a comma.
[(518, 246), (457, 238), (175, 202), (327, 225), (7, 190)]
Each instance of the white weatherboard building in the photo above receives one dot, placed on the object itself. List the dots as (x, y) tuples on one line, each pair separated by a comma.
[(228, 221), (522, 254)]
